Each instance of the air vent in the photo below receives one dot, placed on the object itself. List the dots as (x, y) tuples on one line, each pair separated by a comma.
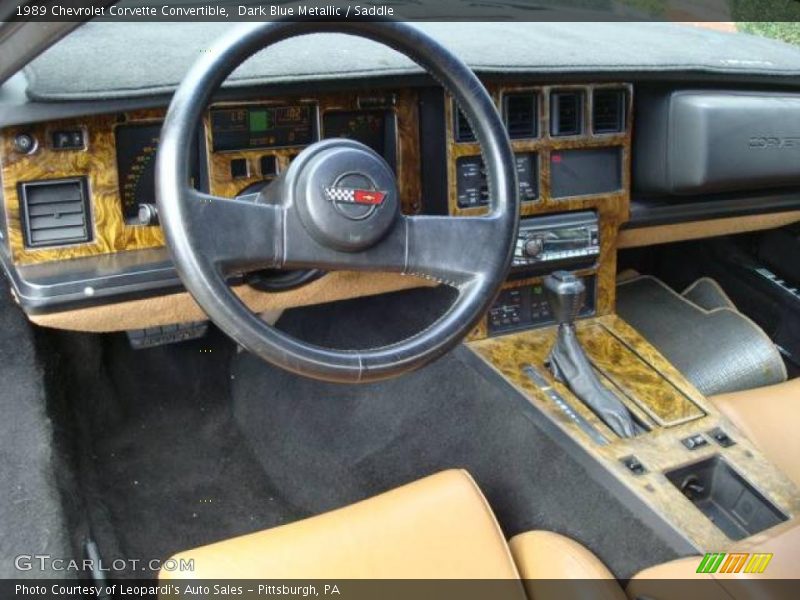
[(519, 112), (463, 131), (566, 113), (608, 111), (55, 213)]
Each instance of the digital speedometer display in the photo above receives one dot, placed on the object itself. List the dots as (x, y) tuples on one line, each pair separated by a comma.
[(136, 163)]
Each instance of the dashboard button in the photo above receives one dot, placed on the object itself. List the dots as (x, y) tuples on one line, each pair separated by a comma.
[(694, 441), (269, 166), (24, 143), (239, 168), (67, 139)]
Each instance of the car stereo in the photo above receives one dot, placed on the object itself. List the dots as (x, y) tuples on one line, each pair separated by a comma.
[(558, 240)]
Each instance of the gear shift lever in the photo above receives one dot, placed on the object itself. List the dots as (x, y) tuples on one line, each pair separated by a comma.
[(566, 294)]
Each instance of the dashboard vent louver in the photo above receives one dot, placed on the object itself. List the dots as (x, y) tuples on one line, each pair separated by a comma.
[(55, 213), (519, 112), (463, 131), (608, 111), (566, 113)]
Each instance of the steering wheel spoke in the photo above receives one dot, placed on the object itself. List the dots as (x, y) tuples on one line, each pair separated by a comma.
[(235, 234), (452, 250)]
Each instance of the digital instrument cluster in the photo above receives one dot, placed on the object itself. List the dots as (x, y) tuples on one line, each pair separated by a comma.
[(242, 128), (374, 128)]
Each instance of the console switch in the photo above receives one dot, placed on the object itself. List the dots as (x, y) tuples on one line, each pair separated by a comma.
[(68, 139), (693, 442), (722, 438), (633, 465)]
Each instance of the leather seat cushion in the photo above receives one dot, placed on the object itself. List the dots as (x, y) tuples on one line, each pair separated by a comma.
[(554, 566), (769, 417), (440, 527)]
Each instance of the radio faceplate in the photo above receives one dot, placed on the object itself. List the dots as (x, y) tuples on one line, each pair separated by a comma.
[(555, 240)]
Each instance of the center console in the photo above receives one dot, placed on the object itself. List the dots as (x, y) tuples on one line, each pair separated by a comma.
[(688, 465), (609, 397)]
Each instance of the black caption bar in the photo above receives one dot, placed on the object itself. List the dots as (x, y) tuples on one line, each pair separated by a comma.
[(407, 10), (387, 589)]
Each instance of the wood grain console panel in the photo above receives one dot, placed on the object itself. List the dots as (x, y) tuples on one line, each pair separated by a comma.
[(636, 380), (629, 360), (613, 209), (614, 204)]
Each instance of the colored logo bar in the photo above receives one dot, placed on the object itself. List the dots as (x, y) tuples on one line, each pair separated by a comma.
[(735, 562)]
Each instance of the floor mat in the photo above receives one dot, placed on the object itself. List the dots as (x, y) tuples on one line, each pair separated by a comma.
[(164, 466), (718, 350), (708, 295)]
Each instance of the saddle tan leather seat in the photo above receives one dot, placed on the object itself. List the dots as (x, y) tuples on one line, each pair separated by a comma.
[(439, 527), (770, 417)]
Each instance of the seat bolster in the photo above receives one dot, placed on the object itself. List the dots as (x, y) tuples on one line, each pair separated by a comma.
[(554, 566), (440, 527), (766, 416)]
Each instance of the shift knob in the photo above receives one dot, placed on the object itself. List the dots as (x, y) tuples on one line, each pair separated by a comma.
[(565, 294)]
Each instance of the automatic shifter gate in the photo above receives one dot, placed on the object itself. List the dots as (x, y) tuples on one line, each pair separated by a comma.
[(568, 362)]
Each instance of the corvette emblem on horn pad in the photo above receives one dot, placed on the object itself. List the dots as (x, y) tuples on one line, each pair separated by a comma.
[(355, 196)]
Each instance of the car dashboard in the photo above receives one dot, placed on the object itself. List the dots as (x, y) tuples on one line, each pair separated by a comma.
[(82, 227), (597, 166)]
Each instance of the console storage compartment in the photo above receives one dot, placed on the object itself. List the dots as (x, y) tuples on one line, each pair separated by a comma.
[(724, 496)]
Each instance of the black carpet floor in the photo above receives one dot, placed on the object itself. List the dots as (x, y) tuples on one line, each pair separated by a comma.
[(192, 443), (356, 441), (162, 465), (31, 517)]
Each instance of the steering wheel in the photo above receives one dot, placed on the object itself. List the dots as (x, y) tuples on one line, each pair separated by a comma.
[(335, 208)]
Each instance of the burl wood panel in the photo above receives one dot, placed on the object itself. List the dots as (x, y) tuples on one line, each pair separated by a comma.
[(613, 209), (98, 163), (659, 450), (405, 111), (635, 379)]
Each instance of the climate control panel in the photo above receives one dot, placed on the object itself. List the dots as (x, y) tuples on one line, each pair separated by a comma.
[(525, 306)]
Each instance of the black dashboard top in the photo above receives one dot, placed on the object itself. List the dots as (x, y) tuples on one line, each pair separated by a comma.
[(125, 60)]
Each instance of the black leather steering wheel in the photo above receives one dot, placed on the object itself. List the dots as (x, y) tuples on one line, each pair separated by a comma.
[(335, 208)]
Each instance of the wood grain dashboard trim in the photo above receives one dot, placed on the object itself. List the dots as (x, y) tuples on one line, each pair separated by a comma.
[(97, 162)]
